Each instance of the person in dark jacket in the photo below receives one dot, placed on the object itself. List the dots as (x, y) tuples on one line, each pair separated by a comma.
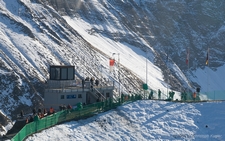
[(36, 117), (34, 111), (83, 82), (96, 82), (21, 113), (92, 83), (69, 106), (159, 94)]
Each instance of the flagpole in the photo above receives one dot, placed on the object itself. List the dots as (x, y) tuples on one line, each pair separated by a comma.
[(207, 63), (119, 73), (167, 59), (118, 70), (188, 68), (187, 62), (146, 67)]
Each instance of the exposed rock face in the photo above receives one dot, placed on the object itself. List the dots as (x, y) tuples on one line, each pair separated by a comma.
[(34, 38)]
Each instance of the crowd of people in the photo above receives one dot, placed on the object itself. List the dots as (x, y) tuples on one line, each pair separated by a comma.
[(38, 114), (92, 80), (41, 113), (64, 107)]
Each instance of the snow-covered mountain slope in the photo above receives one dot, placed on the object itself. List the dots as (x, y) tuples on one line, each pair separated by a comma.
[(38, 33), (145, 120), (165, 29), (35, 36)]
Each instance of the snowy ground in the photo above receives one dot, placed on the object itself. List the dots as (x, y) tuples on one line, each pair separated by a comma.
[(145, 120)]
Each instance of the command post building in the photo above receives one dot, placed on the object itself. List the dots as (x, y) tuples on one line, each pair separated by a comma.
[(62, 89)]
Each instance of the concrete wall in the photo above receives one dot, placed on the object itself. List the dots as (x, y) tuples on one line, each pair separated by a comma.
[(55, 99)]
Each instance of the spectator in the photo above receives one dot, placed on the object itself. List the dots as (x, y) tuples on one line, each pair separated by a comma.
[(159, 94), (31, 119), (87, 79), (96, 82), (151, 94), (64, 107), (92, 83), (39, 111), (27, 120), (51, 110), (21, 114), (61, 107), (45, 111), (69, 106), (83, 82), (34, 111), (36, 117), (194, 96)]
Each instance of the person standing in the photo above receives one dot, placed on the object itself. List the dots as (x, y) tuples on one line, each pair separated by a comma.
[(96, 82), (159, 94), (92, 83), (21, 114), (51, 111), (34, 111), (194, 96), (83, 82), (36, 117), (151, 94)]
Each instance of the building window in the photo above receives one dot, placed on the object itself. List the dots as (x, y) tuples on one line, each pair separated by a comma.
[(62, 96), (62, 72), (79, 95), (107, 95), (72, 96)]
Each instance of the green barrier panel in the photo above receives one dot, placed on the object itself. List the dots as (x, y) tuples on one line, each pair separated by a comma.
[(68, 115)]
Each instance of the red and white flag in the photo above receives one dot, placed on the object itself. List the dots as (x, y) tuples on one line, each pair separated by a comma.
[(207, 57), (187, 58), (111, 64)]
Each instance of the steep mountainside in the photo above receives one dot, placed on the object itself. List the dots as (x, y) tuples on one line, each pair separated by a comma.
[(166, 28), (35, 35)]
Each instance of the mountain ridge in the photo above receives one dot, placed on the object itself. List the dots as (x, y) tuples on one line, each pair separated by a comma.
[(36, 34)]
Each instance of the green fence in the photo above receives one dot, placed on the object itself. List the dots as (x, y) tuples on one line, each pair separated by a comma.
[(91, 109), (184, 96), (74, 114), (212, 95)]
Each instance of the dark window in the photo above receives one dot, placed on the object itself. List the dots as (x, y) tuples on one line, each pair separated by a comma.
[(55, 73), (70, 73), (62, 72), (62, 96), (107, 94), (79, 95)]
